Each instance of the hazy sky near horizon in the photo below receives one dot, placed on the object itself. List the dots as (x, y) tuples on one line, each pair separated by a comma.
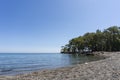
[(46, 25)]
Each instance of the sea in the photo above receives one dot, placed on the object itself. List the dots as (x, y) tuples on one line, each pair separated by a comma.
[(20, 63)]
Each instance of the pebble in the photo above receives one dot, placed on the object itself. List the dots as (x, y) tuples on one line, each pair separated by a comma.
[(106, 69)]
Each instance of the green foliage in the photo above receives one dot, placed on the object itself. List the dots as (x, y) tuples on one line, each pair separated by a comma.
[(108, 40)]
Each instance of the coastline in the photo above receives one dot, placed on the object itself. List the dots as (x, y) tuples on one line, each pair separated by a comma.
[(105, 69)]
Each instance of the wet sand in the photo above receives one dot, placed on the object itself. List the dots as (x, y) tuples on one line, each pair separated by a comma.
[(106, 69)]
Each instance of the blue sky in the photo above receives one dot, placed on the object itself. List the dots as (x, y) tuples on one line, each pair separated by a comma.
[(46, 25)]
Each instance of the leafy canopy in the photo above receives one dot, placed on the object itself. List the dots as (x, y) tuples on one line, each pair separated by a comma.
[(107, 40)]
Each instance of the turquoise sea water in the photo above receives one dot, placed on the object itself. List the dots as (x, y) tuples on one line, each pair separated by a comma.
[(18, 63)]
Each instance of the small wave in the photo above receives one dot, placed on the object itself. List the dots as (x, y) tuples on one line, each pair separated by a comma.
[(5, 70)]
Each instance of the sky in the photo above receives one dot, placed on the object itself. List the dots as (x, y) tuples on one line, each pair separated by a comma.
[(43, 26)]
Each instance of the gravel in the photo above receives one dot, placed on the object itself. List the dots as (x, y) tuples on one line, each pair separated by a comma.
[(106, 69)]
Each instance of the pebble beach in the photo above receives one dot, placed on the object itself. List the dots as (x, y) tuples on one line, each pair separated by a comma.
[(105, 69)]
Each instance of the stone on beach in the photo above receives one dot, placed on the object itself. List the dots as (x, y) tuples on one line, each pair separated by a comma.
[(106, 69)]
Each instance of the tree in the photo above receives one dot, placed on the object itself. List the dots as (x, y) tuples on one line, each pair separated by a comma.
[(108, 40)]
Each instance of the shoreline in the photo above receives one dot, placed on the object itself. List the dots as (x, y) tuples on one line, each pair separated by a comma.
[(105, 69)]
